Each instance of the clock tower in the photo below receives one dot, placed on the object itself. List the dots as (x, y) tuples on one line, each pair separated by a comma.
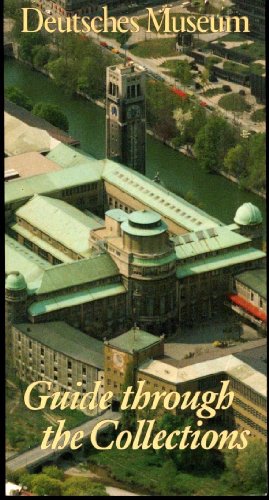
[(125, 115)]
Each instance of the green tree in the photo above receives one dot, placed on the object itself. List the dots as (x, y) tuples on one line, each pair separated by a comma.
[(82, 486), (251, 467), (52, 113), (27, 45), (213, 141), (53, 472), (191, 127), (65, 73), (204, 77), (183, 73), (41, 56), (44, 485), (16, 95), (247, 161)]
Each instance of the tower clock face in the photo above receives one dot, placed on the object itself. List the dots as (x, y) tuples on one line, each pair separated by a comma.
[(133, 112), (114, 110), (117, 359)]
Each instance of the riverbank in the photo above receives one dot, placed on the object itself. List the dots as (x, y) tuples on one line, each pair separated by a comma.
[(182, 150)]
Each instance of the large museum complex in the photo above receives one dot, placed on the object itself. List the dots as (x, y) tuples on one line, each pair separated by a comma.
[(102, 262)]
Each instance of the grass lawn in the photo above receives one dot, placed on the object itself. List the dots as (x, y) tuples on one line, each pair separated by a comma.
[(155, 48), (257, 68), (236, 68), (144, 470), (234, 102), (255, 50), (258, 116), (212, 92), (24, 427)]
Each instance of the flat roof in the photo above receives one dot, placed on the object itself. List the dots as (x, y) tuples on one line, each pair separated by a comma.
[(227, 259), (36, 121), (230, 364), (74, 299), (63, 338), (22, 138), (63, 222), (206, 241), (156, 197), (19, 258), (66, 156), (29, 164), (51, 182), (255, 279), (133, 340), (77, 273)]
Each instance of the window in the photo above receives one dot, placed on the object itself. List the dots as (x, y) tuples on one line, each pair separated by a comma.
[(69, 364)]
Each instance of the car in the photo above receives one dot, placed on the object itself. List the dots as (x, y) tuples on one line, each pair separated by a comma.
[(104, 44), (115, 51), (49, 12)]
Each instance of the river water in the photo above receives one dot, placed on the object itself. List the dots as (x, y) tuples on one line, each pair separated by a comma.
[(218, 196)]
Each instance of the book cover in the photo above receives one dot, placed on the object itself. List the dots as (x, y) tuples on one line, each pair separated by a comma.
[(135, 244)]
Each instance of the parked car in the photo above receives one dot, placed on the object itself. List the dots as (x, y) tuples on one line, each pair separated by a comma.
[(104, 44), (115, 51)]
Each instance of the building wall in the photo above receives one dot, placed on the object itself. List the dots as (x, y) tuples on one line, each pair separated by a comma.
[(100, 318), (115, 198), (117, 362), (34, 361), (250, 295), (248, 410)]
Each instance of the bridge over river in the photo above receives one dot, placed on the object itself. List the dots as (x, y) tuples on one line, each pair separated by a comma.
[(36, 456)]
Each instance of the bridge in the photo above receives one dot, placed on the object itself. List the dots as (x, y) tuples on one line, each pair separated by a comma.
[(36, 456)]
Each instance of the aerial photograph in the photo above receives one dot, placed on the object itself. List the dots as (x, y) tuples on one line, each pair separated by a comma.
[(135, 248)]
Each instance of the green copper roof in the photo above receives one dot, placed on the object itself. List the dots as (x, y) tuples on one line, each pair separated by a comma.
[(255, 279), (52, 182), (248, 215), (219, 261), (77, 273), (117, 214), (75, 299), (156, 197), (134, 340), (144, 218), (67, 156), (206, 241), (63, 338), (63, 222), (26, 262), (15, 281)]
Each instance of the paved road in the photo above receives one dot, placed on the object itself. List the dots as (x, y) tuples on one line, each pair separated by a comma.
[(37, 455)]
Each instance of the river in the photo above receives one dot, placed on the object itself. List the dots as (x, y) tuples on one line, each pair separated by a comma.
[(218, 196)]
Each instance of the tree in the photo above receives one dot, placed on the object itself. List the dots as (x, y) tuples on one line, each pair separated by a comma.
[(44, 485), (251, 467), (53, 472), (41, 56), (213, 141), (16, 95), (247, 161), (65, 73), (183, 73), (52, 114), (82, 486), (204, 77), (27, 45), (194, 124)]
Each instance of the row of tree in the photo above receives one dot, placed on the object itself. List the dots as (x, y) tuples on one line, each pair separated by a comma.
[(216, 143)]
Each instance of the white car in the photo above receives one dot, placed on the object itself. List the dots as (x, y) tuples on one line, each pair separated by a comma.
[(48, 12)]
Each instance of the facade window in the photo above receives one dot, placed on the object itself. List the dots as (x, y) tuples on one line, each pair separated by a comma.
[(69, 364), (42, 351)]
